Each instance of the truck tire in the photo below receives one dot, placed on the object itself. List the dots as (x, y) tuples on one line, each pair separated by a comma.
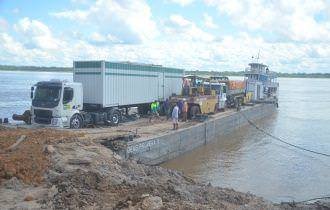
[(216, 108), (114, 117), (194, 111), (76, 122)]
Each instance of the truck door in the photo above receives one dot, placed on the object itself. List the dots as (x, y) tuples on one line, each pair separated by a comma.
[(68, 102)]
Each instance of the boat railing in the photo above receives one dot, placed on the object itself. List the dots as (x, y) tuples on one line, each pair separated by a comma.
[(254, 71)]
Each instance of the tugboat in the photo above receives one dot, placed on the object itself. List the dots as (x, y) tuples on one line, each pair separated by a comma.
[(261, 83)]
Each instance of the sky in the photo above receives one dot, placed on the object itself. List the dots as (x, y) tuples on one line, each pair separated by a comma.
[(214, 35)]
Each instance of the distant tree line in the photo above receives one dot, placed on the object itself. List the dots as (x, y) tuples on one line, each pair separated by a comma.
[(241, 73), (35, 68), (304, 75), (199, 73)]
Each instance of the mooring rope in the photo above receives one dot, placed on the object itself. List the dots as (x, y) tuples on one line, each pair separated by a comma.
[(313, 199), (281, 140)]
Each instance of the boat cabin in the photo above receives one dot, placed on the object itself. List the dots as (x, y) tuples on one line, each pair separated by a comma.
[(261, 82)]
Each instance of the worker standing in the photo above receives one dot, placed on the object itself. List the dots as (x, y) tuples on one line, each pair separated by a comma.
[(180, 106), (175, 117), (167, 108), (157, 107), (184, 111), (186, 87), (154, 111)]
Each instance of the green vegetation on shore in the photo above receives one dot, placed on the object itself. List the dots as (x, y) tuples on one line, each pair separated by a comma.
[(241, 73), (34, 68), (200, 73)]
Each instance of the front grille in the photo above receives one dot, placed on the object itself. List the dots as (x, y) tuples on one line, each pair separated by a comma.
[(43, 116)]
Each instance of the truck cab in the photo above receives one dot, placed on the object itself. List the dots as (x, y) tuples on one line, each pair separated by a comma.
[(56, 103)]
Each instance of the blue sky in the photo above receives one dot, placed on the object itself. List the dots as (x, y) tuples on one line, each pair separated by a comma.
[(219, 35)]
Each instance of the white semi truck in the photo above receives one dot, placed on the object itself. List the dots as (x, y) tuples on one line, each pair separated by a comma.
[(101, 92)]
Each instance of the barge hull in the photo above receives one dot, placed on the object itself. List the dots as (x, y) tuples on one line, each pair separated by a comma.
[(161, 148)]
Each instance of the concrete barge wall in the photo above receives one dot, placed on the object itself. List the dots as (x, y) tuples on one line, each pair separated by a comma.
[(158, 149)]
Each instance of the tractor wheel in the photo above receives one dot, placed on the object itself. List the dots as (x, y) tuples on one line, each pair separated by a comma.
[(194, 111), (216, 108)]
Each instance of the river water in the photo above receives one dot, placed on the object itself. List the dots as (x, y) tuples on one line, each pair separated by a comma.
[(15, 89), (246, 160)]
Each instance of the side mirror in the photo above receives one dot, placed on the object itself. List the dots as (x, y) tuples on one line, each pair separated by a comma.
[(31, 94)]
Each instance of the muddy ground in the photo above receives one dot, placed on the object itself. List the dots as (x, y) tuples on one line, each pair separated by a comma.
[(53, 169)]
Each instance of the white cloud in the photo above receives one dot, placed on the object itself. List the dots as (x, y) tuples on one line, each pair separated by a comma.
[(36, 34), (14, 52), (72, 15), (131, 20), (9, 45), (293, 20), (208, 21), (182, 3), (109, 28), (98, 38), (179, 27), (232, 53)]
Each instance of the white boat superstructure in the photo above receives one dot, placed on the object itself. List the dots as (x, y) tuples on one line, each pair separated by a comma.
[(261, 82)]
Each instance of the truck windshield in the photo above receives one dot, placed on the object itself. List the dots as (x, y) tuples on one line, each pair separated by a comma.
[(47, 96), (47, 93)]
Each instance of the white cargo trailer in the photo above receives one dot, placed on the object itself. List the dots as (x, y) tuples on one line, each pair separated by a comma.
[(109, 84), (102, 92)]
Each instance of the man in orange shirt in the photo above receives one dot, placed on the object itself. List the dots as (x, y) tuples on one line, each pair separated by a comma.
[(184, 111)]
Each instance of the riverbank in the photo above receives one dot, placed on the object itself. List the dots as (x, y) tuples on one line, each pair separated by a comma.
[(77, 172)]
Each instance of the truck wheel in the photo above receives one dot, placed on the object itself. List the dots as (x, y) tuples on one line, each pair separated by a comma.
[(194, 111), (216, 108), (114, 117), (76, 122)]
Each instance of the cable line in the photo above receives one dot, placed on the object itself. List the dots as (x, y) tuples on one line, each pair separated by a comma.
[(313, 199), (281, 140)]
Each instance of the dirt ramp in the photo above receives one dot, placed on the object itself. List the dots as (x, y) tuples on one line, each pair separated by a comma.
[(88, 175), (28, 161)]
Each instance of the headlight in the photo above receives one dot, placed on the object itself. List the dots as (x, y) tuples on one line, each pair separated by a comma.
[(55, 121), (64, 119)]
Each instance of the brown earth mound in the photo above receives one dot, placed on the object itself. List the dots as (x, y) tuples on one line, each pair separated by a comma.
[(27, 161), (79, 173)]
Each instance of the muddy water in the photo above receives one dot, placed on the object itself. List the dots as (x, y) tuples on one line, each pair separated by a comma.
[(248, 160)]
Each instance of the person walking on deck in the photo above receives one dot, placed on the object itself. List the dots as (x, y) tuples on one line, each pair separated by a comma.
[(167, 108), (180, 106), (175, 117), (184, 111)]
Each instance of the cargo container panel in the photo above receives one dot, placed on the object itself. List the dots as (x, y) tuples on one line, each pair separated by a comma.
[(120, 84)]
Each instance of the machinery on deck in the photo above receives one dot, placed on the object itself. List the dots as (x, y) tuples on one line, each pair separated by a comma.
[(234, 90), (206, 95), (199, 95)]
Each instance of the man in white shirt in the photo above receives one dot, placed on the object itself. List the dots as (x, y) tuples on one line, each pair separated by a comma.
[(175, 117)]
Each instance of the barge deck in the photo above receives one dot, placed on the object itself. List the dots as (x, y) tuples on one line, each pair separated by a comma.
[(155, 143)]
